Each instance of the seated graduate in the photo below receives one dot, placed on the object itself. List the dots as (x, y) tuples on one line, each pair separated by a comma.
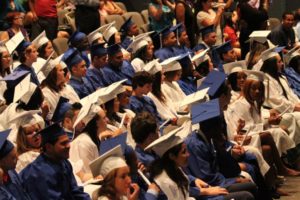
[(167, 172), (77, 67), (226, 54), (128, 31), (4, 194), (203, 65), (43, 45), (139, 102), (96, 37), (183, 42), (51, 170), (292, 70), (117, 183), (95, 71), (12, 183), (117, 68), (80, 41)]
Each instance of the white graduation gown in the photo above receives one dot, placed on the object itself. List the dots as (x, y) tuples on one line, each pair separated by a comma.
[(138, 64), (174, 94), (26, 158), (69, 93), (52, 98)]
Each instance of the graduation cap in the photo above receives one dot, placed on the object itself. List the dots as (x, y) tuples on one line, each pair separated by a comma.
[(51, 133), (205, 111), (22, 46), (24, 90), (95, 35), (153, 67), (110, 143), (61, 108), (213, 80), (271, 52), (255, 75), (224, 48), (110, 30), (166, 31), (166, 142), (126, 26), (42, 65), (113, 49), (5, 145), (200, 57), (194, 97), (76, 37), (98, 50), (178, 29), (291, 54), (185, 60), (139, 42), (40, 40), (111, 160), (236, 66), (72, 57), (259, 36), (15, 77), (59, 59), (14, 42), (206, 30), (25, 117), (171, 64)]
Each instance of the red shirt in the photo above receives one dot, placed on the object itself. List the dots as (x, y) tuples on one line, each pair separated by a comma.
[(231, 34), (45, 8)]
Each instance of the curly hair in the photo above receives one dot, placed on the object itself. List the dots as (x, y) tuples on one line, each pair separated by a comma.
[(246, 93), (107, 189)]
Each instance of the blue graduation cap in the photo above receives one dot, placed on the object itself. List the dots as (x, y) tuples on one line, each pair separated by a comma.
[(213, 80), (166, 31), (126, 26), (5, 145), (185, 60), (62, 107), (72, 57), (111, 143), (113, 49), (76, 37), (178, 29), (98, 50), (22, 46), (205, 111), (224, 48), (14, 78), (199, 47), (51, 133), (206, 30)]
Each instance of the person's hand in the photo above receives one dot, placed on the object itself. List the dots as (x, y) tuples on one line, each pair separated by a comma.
[(106, 135), (141, 166), (201, 184), (213, 191), (274, 118), (135, 194), (240, 126), (45, 109), (237, 151), (220, 10), (242, 180)]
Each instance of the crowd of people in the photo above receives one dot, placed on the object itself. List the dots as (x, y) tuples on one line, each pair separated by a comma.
[(203, 106)]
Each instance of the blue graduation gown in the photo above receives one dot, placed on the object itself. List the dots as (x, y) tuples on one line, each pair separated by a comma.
[(145, 157), (202, 162), (112, 75), (145, 103), (45, 179), (14, 187), (216, 60), (126, 42), (165, 53), (81, 86), (188, 85), (95, 76), (5, 195), (85, 58), (293, 79), (33, 76)]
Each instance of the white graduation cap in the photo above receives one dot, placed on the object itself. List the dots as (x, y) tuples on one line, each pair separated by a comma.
[(166, 142), (291, 54), (103, 28), (194, 97), (139, 42), (255, 75), (271, 52), (218, 4), (200, 57), (24, 90), (110, 30), (41, 64), (171, 64), (40, 40), (111, 160), (14, 42), (153, 67), (259, 36), (25, 117), (58, 59), (95, 35), (236, 66)]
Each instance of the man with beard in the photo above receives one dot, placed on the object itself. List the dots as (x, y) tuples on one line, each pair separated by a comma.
[(117, 68), (50, 176)]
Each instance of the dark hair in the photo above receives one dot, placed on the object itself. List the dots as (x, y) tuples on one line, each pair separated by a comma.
[(257, 48), (71, 112), (198, 6), (172, 170), (140, 79), (232, 80), (107, 189), (2, 70), (50, 81), (11, 16), (285, 13), (42, 50), (297, 15), (270, 67), (156, 87), (91, 129), (35, 101), (223, 90), (110, 113), (22, 54), (246, 93), (142, 125), (141, 53), (213, 125), (203, 68), (111, 40), (295, 63), (171, 74)]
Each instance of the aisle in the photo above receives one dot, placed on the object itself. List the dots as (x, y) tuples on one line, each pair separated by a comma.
[(292, 185)]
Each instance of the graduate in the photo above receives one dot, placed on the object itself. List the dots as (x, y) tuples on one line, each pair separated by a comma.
[(128, 30), (51, 170), (209, 39), (187, 82), (77, 67), (226, 54), (80, 41), (117, 67), (95, 71), (139, 102), (112, 35), (12, 183), (43, 45), (183, 42), (5, 62)]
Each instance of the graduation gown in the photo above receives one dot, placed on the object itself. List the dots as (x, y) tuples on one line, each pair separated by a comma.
[(81, 86), (25, 159), (173, 93), (188, 85), (69, 93), (138, 64), (83, 148), (15, 186), (95, 76), (5, 195), (144, 103), (165, 53), (52, 98), (126, 42), (55, 180), (293, 79), (112, 75), (33, 75)]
